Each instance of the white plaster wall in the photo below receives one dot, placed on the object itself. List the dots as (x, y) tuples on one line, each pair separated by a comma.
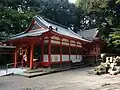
[(45, 58), (56, 42), (79, 58), (55, 58), (65, 57), (74, 59)]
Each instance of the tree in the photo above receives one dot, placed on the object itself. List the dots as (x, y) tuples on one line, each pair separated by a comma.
[(13, 19), (105, 13), (16, 15), (60, 11)]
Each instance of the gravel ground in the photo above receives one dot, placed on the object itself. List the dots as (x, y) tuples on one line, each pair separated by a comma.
[(77, 79)]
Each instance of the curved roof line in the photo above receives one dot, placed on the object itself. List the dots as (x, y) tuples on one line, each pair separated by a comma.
[(65, 29), (46, 23)]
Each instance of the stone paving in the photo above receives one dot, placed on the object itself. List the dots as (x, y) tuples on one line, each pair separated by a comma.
[(76, 79)]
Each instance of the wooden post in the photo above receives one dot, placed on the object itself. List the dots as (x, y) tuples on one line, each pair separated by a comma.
[(15, 59), (42, 49), (22, 61), (96, 60), (70, 62), (49, 51), (69, 51), (76, 48), (61, 53), (31, 56), (61, 50)]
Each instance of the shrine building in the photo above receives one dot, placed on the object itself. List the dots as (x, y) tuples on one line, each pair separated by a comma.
[(46, 43)]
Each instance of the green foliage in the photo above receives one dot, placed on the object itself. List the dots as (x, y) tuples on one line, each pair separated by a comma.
[(114, 38), (60, 11), (92, 5), (106, 15), (14, 19), (117, 1), (16, 15)]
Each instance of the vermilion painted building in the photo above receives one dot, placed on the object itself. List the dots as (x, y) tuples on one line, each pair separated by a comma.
[(93, 48), (49, 43)]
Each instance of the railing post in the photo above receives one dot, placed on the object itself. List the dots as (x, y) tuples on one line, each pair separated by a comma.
[(15, 60), (22, 63), (6, 68)]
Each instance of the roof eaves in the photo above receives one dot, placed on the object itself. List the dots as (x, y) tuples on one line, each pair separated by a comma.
[(39, 22), (30, 34), (80, 38)]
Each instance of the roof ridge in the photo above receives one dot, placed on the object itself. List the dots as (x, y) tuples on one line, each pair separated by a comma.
[(61, 29), (56, 23), (63, 26)]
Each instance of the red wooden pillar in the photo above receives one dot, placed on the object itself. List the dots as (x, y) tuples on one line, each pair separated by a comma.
[(31, 56), (69, 50), (15, 59), (42, 49), (76, 48), (49, 51), (61, 50), (82, 50), (22, 61)]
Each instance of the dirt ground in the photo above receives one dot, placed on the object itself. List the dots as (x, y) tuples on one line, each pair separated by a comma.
[(76, 79)]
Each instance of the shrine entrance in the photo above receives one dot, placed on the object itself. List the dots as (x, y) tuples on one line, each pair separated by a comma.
[(23, 56), (29, 56)]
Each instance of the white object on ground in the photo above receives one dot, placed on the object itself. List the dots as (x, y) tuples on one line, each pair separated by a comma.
[(12, 70)]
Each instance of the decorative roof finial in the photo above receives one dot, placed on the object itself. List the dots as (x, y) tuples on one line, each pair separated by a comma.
[(50, 28)]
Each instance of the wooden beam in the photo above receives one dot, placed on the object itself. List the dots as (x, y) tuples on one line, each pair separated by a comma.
[(76, 49), (43, 49), (49, 50), (61, 50), (31, 56), (69, 50), (15, 59)]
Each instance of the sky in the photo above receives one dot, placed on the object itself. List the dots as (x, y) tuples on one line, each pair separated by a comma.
[(72, 1)]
